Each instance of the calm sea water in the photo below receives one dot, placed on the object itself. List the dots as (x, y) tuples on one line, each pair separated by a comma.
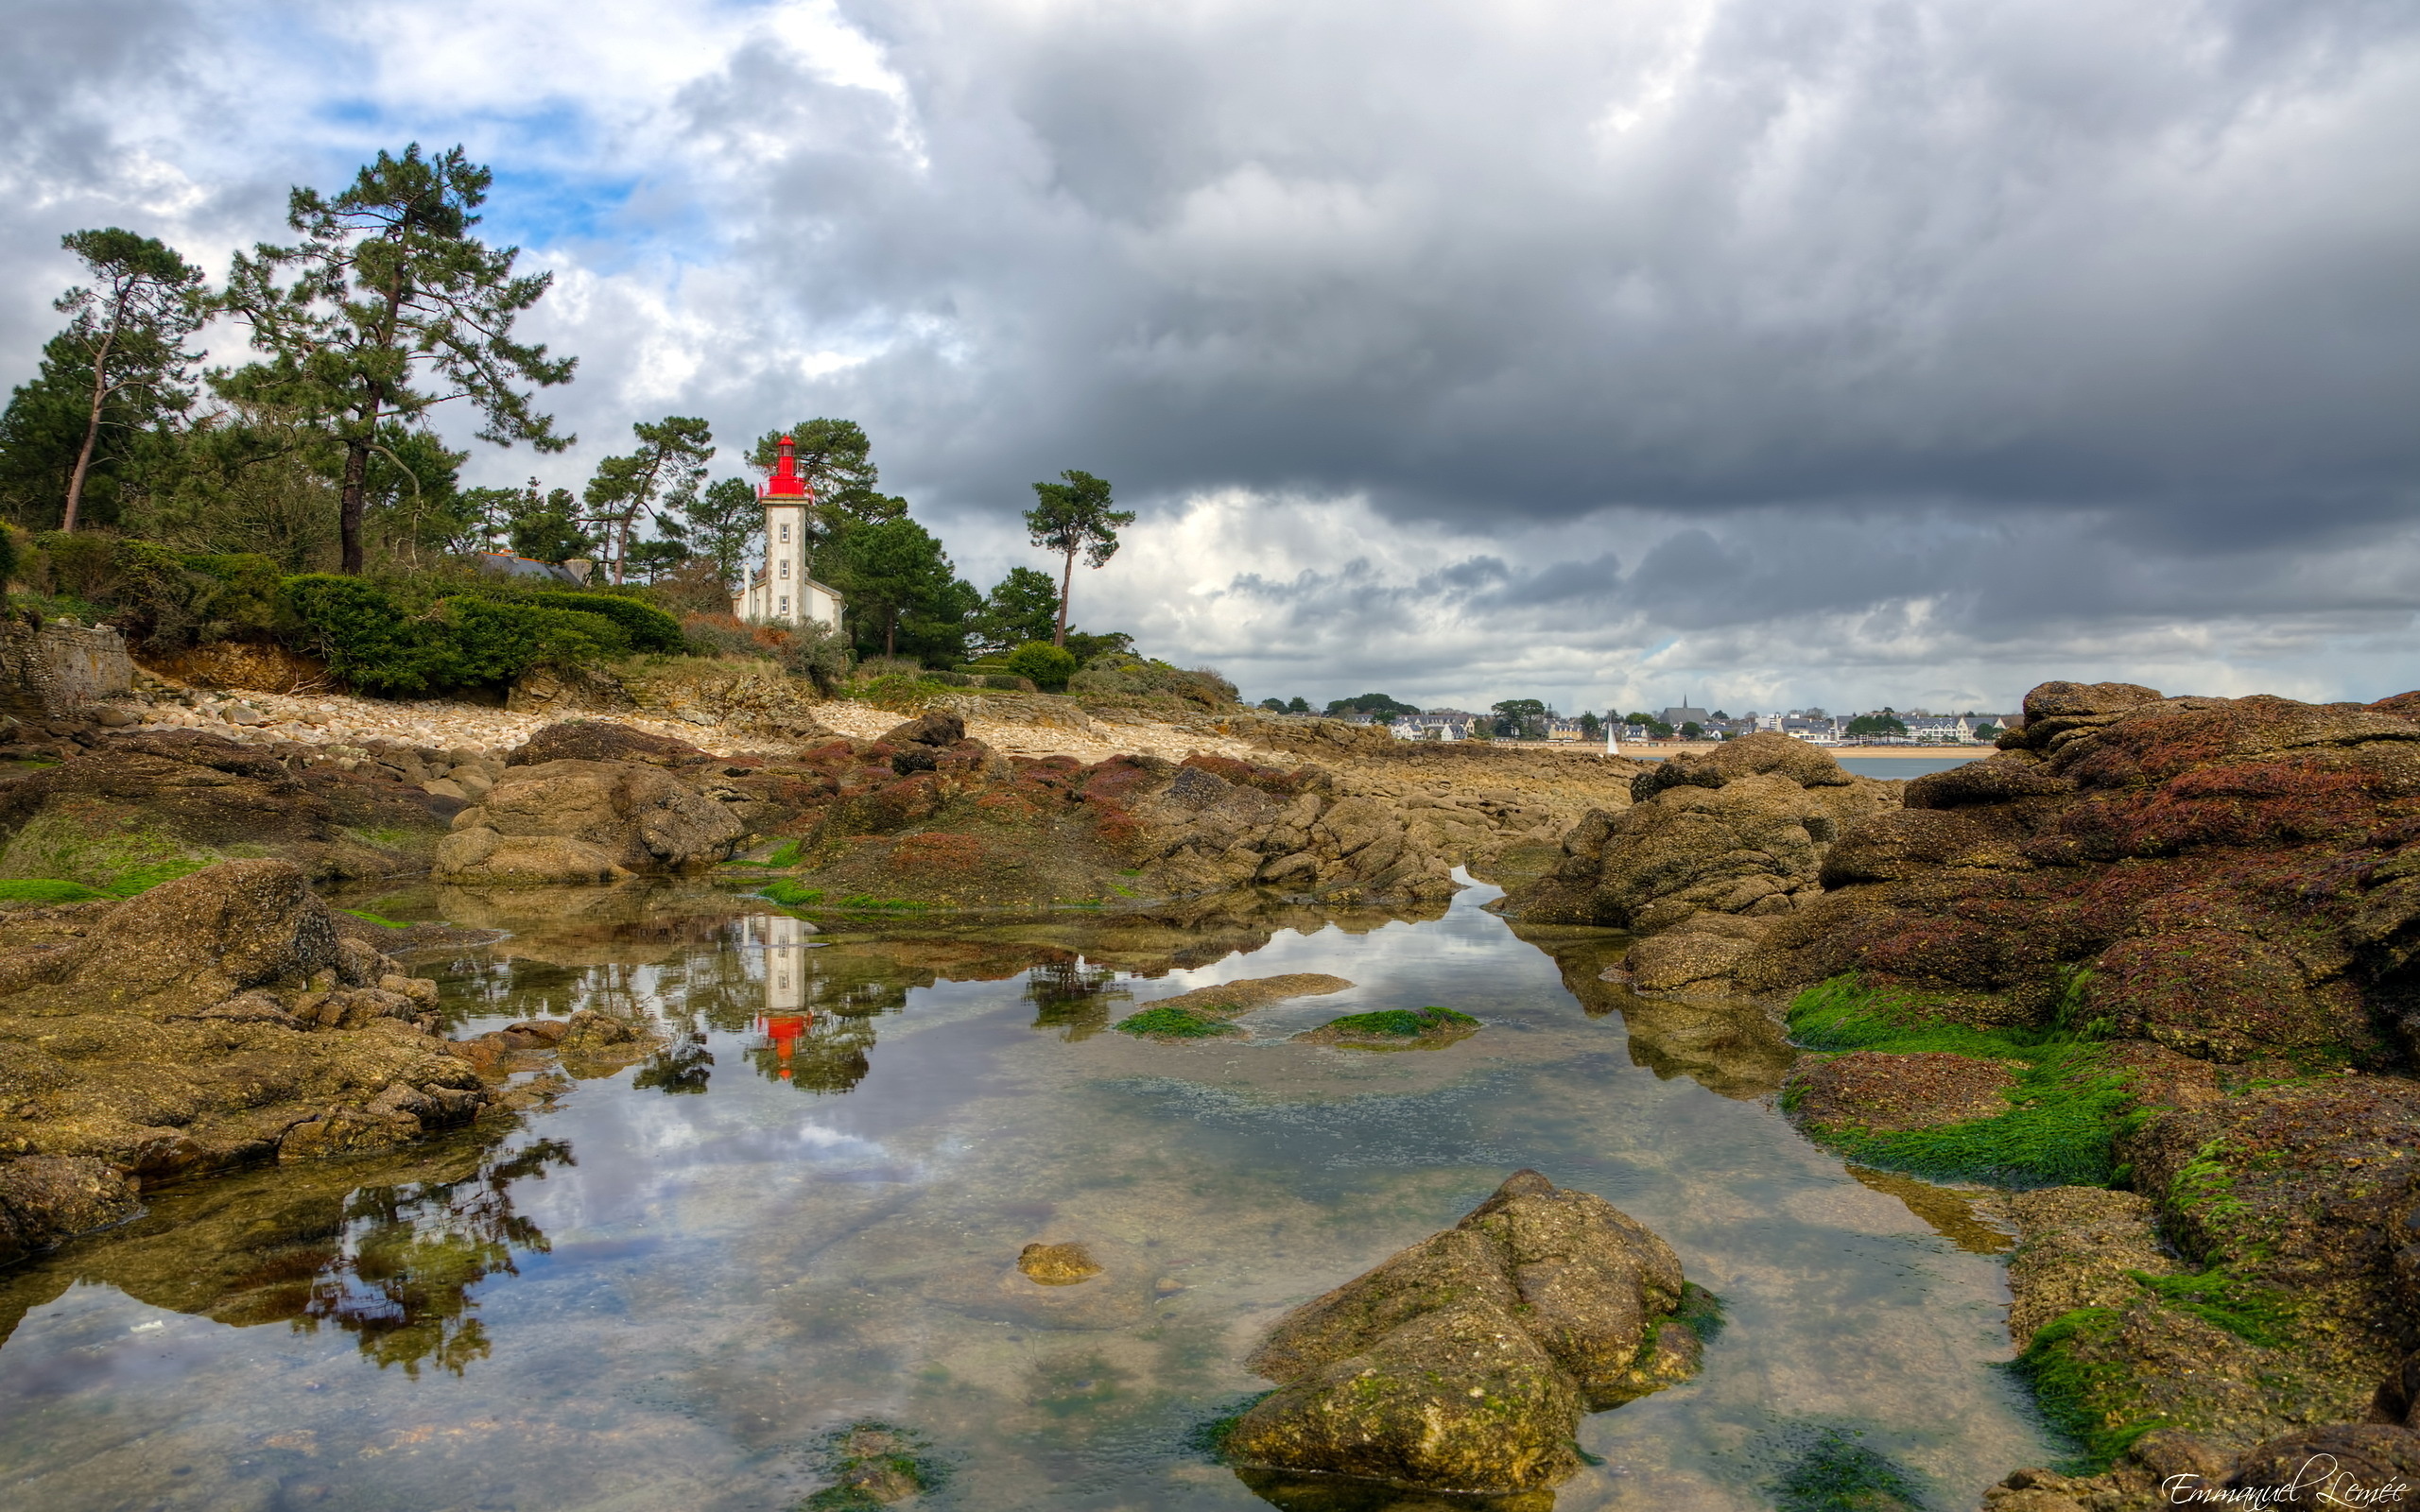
[(662, 1290), (1902, 766)]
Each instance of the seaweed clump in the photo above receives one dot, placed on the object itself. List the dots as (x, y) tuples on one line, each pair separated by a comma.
[(1394, 1029), (873, 1464), (2063, 1108), (1174, 1023), (1838, 1474)]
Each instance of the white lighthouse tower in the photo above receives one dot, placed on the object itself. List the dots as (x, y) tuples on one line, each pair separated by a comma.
[(780, 592)]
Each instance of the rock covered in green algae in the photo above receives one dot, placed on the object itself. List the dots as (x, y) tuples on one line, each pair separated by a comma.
[(1464, 1363), (1427, 1028), (1202, 1013), (1176, 1024), (875, 1464), (215, 1020)]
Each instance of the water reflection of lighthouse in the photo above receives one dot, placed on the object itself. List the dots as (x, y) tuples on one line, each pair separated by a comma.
[(785, 1019)]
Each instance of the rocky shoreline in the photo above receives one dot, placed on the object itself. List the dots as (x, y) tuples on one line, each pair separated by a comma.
[(2149, 961), (2150, 968)]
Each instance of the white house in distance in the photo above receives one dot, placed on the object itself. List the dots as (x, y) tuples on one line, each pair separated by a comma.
[(780, 592)]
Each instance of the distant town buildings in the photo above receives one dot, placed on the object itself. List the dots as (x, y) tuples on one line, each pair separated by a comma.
[(1817, 727), (1435, 724)]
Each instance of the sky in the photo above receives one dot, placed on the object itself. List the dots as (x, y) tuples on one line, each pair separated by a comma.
[(1899, 352)]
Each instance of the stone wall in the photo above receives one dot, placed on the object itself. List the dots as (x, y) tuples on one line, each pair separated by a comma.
[(52, 670)]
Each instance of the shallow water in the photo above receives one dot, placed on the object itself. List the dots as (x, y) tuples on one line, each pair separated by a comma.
[(663, 1288), (1901, 765)]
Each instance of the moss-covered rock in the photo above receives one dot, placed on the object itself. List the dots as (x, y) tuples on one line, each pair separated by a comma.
[(1430, 1028), (217, 1020), (1464, 1363), (140, 808), (1162, 1022)]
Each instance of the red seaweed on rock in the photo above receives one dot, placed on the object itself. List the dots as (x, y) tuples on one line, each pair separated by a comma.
[(2218, 875)]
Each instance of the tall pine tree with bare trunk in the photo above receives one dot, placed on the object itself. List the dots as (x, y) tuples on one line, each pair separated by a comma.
[(659, 478), (130, 327), (1070, 516), (395, 309)]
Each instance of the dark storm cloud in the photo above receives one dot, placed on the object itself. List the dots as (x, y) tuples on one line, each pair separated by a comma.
[(1877, 256)]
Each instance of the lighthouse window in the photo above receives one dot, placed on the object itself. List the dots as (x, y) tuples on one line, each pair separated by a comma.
[(785, 531), (786, 604), (785, 566)]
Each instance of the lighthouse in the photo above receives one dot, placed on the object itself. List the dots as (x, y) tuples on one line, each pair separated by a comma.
[(780, 592)]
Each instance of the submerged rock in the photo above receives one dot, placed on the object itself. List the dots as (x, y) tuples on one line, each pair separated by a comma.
[(1057, 1265), (1229, 999), (873, 1464), (1464, 1363), (46, 1198), (1394, 1029)]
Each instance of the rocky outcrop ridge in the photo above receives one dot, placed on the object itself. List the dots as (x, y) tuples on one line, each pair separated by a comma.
[(215, 1020), (1464, 1363), (585, 821), (1713, 850), (2224, 877), (927, 815), (145, 800)]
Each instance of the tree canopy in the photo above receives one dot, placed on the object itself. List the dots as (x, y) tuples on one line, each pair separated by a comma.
[(718, 522), (1375, 706), (658, 482), (901, 589), (393, 308), (1019, 608), (1520, 719), (128, 332)]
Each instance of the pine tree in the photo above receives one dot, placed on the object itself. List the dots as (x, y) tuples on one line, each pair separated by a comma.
[(1071, 516), (128, 330), (659, 479), (395, 308)]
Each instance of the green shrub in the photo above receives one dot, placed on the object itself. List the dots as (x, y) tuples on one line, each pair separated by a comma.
[(814, 651), (1048, 666), (372, 638), (642, 624), (1118, 675), (163, 599)]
